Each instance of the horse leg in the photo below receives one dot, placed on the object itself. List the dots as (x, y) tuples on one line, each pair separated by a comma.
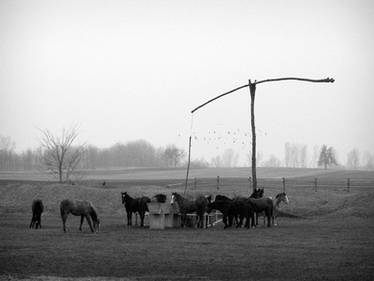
[(80, 226), (32, 222), (142, 219), (64, 216), (268, 216), (40, 221), (89, 222), (129, 217)]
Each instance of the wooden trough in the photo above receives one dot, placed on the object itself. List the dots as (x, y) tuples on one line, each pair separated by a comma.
[(165, 215)]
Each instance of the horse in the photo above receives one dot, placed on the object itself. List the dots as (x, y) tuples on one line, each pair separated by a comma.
[(84, 209), (135, 205), (160, 198), (224, 205), (279, 198), (186, 206), (263, 205), (242, 208), (257, 193), (37, 210)]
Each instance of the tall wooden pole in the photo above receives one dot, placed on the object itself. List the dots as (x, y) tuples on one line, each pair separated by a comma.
[(252, 89)]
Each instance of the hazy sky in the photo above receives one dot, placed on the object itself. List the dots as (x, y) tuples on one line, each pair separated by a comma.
[(125, 70)]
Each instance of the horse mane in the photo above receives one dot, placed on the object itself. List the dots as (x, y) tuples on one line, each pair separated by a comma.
[(280, 194)]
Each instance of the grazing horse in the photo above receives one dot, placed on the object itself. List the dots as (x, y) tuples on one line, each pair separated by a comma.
[(135, 205), (37, 210), (186, 206), (84, 209), (257, 193), (279, 198)]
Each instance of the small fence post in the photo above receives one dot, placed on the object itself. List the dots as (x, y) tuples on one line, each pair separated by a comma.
[(284, 184), (194, 183), (217, 182), (348, 184), (315, 184)]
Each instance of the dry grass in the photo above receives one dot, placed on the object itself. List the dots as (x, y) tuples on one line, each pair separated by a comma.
[(331, 240)]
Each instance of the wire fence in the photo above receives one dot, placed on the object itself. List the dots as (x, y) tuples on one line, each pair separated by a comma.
[(240, 185)]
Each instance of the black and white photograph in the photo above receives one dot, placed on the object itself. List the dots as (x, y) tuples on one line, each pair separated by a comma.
[(173, 140)]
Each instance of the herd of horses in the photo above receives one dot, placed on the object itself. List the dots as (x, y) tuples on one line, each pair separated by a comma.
[(235, 209)]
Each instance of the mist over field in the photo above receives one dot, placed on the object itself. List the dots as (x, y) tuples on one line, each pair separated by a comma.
[(186, 140)]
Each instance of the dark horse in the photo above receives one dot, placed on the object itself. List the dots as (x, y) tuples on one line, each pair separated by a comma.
[(37, 210), (263, 205), (257, 193), (186, 206), (84, 209), (135, 205), (238, 208), (225, 206)]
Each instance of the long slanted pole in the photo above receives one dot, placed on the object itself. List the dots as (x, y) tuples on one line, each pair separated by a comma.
[(252, 89), (188, 164)]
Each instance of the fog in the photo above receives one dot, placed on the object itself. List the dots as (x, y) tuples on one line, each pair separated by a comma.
[(128, 70)]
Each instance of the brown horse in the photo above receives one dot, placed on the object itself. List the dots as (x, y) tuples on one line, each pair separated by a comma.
[(135, 205), (257, 193), (84, 209), (263, 205), (186, 206), (37, 210)]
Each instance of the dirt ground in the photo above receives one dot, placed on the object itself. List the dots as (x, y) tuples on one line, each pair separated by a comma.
[(332, 239)]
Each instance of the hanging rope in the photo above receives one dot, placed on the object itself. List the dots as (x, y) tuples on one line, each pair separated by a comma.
[(189, 154)]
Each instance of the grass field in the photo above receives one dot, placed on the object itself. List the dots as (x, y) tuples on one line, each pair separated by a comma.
[(330, 238)]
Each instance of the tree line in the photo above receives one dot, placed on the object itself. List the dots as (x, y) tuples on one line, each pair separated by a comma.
[(61, 155)]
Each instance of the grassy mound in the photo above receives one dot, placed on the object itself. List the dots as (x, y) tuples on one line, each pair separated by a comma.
[(17, 197)]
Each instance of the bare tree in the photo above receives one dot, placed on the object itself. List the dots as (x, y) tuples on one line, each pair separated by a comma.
[(60, 156), (327, 157), (173, 155), (272, 162), (368, 160), (353, 159)]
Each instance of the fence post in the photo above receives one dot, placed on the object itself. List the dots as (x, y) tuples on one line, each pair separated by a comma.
[(284, 184), (194, 183), (315, 184), (348, 184), (217, 182)]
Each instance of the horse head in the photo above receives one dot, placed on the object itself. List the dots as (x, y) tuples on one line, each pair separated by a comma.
[(124, 195), (257, 193), (174, 198), (282, 197)]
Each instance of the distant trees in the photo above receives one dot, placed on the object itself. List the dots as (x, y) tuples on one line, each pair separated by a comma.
[(273, 161), (172, 156), (353, 159), (228, 159), (60, 156), (327, 157), (6, 153), (295, 155), (368, 160)]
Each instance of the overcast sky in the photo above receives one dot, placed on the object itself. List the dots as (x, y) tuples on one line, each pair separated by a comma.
[(127, 70)]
